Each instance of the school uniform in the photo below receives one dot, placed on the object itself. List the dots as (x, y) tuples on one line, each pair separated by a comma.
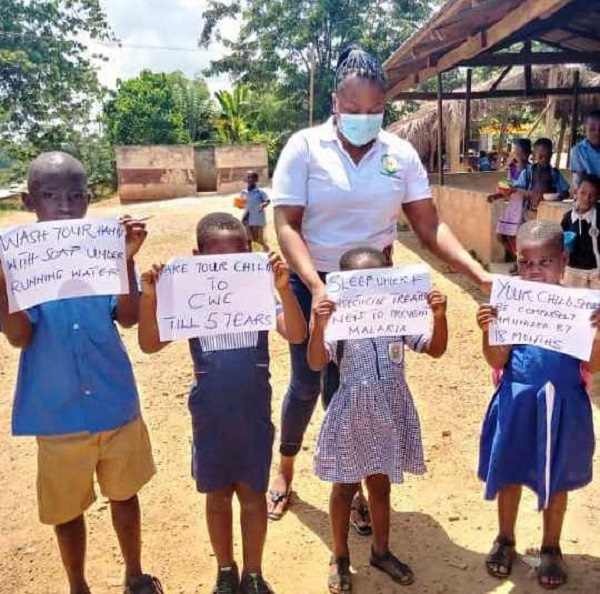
[(230, 404), (255, 216), (77, 394), (585, 158), (371, 425), (538, 429), (583, 270)]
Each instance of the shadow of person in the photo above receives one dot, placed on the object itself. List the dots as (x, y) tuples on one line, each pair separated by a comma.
[(439, 564)]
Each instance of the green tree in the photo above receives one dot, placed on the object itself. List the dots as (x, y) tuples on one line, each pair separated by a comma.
[(45, 76), (272, 51), (234, 115), (194, 101), (144, 110)]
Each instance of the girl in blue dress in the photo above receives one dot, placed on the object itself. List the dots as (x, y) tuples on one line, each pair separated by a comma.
[(538, 429), (230, 405)]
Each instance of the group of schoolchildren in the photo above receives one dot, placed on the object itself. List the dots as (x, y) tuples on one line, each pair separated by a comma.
[(76, 393), (531, 182)]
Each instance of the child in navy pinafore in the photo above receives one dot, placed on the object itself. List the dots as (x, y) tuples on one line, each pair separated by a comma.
[(538, 429), (230, 405)]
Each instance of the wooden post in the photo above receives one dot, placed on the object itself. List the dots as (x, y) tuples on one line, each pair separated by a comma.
[(467, 137), (574, 115), (528, 78), (440, 142), (561, 141)]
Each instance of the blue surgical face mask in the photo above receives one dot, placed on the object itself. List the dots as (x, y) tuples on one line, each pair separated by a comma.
[(360, 129)]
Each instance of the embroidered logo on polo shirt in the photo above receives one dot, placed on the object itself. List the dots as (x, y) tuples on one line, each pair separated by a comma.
[(396, 352), (390, 166)]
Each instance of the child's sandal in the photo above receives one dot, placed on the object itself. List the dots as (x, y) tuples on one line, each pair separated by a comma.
[(341, 580), (400, 572), (501, 557), (552, 572)]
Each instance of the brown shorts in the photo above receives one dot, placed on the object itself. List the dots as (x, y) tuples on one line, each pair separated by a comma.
[(121, 459)]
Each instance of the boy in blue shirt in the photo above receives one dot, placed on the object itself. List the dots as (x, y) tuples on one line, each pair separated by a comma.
[(585, 155), (255, 217), (541, 178), (76, 391)]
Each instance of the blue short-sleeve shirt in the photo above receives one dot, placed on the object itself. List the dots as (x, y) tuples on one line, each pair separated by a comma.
[(585, 158), (75, 376), (525, 180)]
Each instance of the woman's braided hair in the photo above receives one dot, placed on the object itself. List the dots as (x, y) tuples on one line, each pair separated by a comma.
[(355, 61)]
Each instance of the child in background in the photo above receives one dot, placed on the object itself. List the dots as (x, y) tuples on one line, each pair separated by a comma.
[(76, 392), (583, 221), (371, 428), (230, 403), (541, 178), (539, 389), (256, 203), (512, 215)]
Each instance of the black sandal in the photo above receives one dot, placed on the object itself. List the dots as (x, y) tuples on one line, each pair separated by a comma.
[(341, 581), (502, 555), (552, 567), (400, 572), (363, 528)]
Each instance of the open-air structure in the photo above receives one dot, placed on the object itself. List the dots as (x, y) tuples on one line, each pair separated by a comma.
[(509, 35)]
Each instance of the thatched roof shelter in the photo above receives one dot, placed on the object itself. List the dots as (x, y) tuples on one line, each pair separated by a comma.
[(421, 127)]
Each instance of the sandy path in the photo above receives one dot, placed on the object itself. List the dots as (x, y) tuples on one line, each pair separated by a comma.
[(440, 523)]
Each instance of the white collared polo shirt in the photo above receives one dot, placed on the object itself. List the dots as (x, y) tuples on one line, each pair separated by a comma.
[(345, 204)]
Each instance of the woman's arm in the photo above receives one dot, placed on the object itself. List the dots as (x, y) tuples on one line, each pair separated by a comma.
[(16, 326), (288, 224), (440, 241), (291, 324), (496, 356), (148, 333), (317, 352), (594, 364)]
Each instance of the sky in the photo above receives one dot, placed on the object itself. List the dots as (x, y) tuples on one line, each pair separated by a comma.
[(164, 23)]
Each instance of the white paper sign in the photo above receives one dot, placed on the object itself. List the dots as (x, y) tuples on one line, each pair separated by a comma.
[(208, 295), (548, 316), (63, 259), (379, 302)]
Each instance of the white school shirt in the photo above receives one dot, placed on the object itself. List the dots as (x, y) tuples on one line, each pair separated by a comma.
[(347, 205)]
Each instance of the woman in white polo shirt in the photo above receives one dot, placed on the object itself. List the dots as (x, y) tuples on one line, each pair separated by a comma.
[(336, 186)]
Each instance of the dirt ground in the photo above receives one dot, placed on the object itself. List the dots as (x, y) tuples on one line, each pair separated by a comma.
[(440, 524)]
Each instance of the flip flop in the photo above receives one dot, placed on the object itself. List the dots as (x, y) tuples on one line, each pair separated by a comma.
[(281, 500), (363, 528)]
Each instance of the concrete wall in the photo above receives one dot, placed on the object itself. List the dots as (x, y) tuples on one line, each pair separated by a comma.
[(155, 172), (233, 161), (553, 211), (206, 170), (472, 219)]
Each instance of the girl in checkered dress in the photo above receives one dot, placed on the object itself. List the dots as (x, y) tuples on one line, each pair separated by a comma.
[(371, 429)]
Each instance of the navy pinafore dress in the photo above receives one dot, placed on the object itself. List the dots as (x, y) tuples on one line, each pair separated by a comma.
[(538, 430), (230, 404)]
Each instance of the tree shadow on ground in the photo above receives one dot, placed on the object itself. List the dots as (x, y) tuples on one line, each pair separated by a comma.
[(439, 564)]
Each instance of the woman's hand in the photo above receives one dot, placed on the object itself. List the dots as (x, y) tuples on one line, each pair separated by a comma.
[(438, 303), (150, 278), (322, 310), (281, 272), (486, 315)]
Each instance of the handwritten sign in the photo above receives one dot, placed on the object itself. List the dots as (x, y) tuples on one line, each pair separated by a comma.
[(548, 316), (379, 302), (63, 259), (207, 295)]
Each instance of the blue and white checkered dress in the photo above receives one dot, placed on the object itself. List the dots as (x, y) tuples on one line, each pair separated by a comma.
[(371, 425)]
